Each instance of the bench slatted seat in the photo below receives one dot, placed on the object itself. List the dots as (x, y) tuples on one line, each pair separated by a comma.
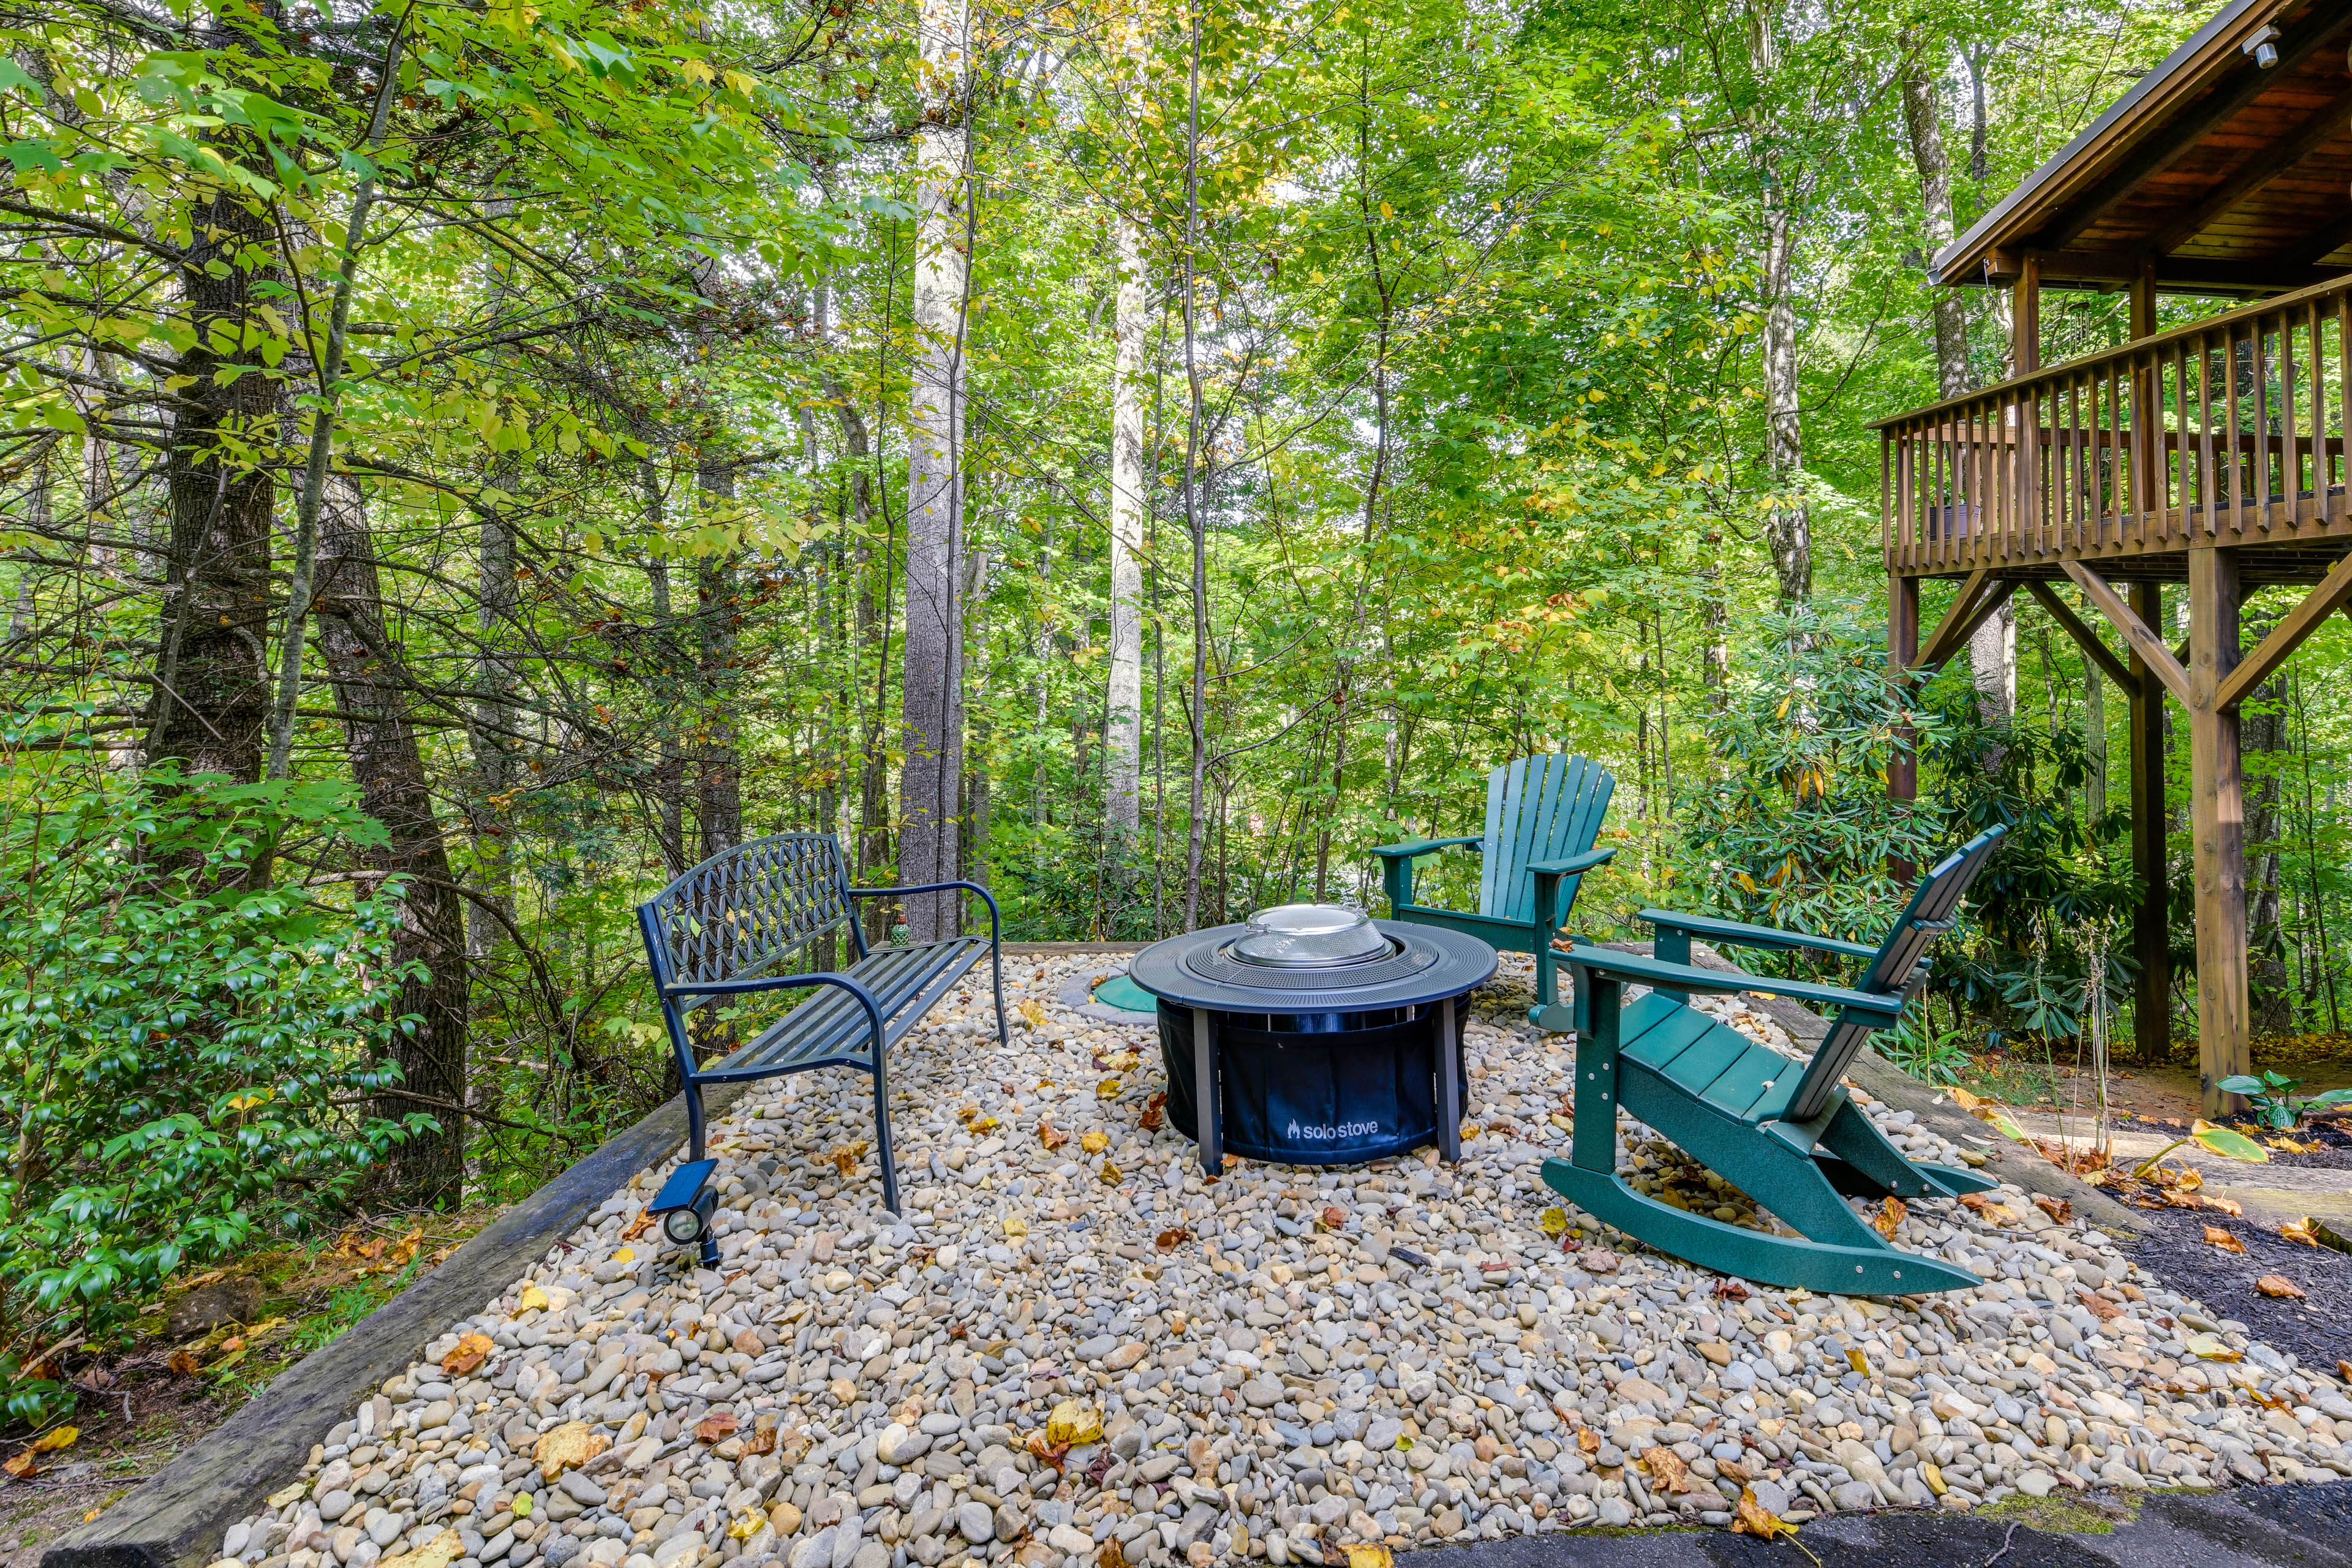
[(1781, 1130), (725, 927)]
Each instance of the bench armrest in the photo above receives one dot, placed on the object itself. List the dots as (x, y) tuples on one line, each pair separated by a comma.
[(995, 921), (1413, 847), (1569, 864), (1660, 975), (1738, 933)]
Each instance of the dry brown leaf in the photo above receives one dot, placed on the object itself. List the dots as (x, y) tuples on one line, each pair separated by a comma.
[(1976, 1201), (1332, 1218), (2107, 1311), (2224, 1240), (184, 1364), (2058, 1209), (1588, 1439), (438, 1553), (844, 1159), (1051, 1136), (1033, 1010), (1169, 1240), (2279, 1285), (1735, 1469), (1730, 1290), (1109, 1556), (763, 1436), (2229, 1207), (1155, 1112), (715, 1428), (2189, 1180), (1111, 1174), (471, 1352), (24, 1466), (1667, 1469), (566, 1448), (1891, 1215), (2301, 1230), (639, 1225), (1752, 1517)]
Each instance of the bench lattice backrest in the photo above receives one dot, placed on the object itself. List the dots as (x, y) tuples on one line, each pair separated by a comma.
[(1934, 906), (745, 908)]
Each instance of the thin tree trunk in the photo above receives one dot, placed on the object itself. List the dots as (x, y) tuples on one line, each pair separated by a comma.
[(1788, 526), (1923, 119), (372, 692), (931, 709), (719, 794), (1124, 731), (1195, 522), (669, 763)]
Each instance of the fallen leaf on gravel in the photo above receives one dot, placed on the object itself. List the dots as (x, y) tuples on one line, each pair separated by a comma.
[(471, 1352), (2058, 1209), (1369, 1557), (639, 1225), (438, 1553), (1111, 1174), (2279, 1285), (1891, 1215), (1332, 1218), (1109, 1556), (844, 1159), (533, 1299), (716, 1427), (1730, 1290), (1107, 1090), (1588, 1439), (1123, 1061), (571, 1444), (1033, 1011), (1752, 1517), (1667, 1469), (2210, 1349), (2107, 1311), (1051, 1136), (763, 1436), (1094, 1142), (1015, 1228), (1169, 1240), (1554, 1222), (1155, 1113), (2224, 1240)]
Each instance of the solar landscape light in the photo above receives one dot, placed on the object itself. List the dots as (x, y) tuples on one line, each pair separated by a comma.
[(683, 1207)]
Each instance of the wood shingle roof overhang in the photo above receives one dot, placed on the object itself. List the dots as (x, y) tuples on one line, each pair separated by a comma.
[(2227, 177)]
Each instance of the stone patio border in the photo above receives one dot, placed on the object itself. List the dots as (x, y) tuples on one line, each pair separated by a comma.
[(176, 1517)]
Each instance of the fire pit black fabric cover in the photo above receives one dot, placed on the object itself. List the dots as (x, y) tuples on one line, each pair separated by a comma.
[(1321, 1066), (1313, 1097)]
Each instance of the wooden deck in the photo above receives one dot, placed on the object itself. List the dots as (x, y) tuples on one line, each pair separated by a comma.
[(2229, 433)]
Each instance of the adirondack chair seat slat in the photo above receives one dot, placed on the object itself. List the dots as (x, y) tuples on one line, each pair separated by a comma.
[(1542, 816), (1782, 1130), (728, 929)]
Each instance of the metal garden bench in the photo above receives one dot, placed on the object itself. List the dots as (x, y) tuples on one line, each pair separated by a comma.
[(723, 930)]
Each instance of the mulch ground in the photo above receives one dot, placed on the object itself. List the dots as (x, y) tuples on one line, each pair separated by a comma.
[(2316, 1330)]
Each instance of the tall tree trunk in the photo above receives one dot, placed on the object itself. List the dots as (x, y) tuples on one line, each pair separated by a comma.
[(932, 708), (669, 760), (1123, 740), (499, 674), (2265, 742), (1195, 522), (1923, 119), (372, 692), (1788, 526), (211, 701), (719, 794)]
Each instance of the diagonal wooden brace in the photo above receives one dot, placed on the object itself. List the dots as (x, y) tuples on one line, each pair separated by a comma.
[(2333, 593), (2144, 642)]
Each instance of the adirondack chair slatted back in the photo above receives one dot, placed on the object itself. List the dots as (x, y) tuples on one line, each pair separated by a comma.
[(743, 910), (1933, 906), (1538, 808)]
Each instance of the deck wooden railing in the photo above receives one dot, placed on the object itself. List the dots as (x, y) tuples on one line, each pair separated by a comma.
[(2230, 431)]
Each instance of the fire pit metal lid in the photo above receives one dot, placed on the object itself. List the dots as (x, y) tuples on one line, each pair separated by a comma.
[(1422, 963), (1309, 936)]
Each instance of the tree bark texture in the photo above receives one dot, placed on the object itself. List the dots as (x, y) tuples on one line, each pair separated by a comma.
[(211, 703), (1123, 740), (931, 710), (372, 692), (1923, 121), (719, 792), (1788, 526)]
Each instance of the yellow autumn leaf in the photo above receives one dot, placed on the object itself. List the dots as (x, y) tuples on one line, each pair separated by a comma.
[(1553, 1222), (1094, 1142), (1890, 1217), (1108, 1089), (2227, 1144), (1033, 1011), (534, 1299), (55, 1438), (1111, 1174), (1015, 1226)]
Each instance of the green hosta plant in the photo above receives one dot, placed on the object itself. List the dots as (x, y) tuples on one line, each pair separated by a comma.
[(2276, 1105), (186, 1059)]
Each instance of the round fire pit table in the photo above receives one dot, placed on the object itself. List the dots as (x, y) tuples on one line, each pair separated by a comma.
[(1313, 1036)]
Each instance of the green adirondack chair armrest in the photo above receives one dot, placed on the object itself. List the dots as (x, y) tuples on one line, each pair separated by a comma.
[(1413, 848), (1738, 933), (1569, 864), (1660, 975)]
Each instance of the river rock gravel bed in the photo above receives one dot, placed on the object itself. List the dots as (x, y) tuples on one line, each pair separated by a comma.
[(1071, 1352)]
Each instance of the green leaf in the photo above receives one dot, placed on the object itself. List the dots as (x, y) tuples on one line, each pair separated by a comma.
[(2239, 1083), (15, 78), (2228, 1144), (29, 155)]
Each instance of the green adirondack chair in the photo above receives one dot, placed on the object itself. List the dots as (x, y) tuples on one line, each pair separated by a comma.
[(1789, 1137), (1542, 814)]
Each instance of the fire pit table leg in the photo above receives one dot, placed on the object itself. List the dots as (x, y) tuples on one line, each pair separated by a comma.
[(1206, 1099), (1449, 1086)]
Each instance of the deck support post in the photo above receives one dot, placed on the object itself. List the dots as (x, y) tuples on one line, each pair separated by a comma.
[(2025, 317), (1902, 653), (2217, 796), (2147, 394), (2151, 922)]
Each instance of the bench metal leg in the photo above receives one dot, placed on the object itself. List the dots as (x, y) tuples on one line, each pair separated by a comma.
[(882, 1137), (694, 1117), (1206, 1099), (996, 963)]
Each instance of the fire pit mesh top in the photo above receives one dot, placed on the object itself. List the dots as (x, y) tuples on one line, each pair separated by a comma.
[(1395, 961), (1309, 936)]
